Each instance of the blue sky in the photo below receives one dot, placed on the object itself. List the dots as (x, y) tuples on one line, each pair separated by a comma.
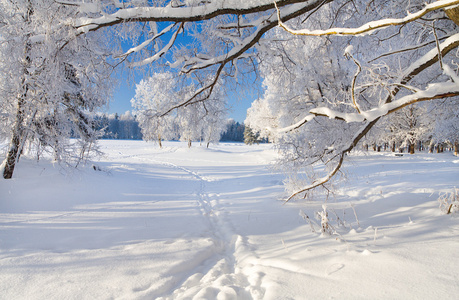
[(238, 104), (122, 102)]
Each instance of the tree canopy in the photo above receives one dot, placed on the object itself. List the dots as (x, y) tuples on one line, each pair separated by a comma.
[(332, 70)]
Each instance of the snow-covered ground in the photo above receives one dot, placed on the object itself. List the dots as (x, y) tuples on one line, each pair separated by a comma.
[(178, 223)]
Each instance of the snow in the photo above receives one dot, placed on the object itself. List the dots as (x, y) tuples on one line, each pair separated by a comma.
[(167, 13), (348, 50), (158, 54), (372, 26), (433, 91), (450, 42), (306, 119), (179, 223), (148, 41)]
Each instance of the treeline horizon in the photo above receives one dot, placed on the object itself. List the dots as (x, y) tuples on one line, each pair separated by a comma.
[(126, 127)]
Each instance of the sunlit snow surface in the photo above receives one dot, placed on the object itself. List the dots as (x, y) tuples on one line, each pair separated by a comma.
[(178, 223)]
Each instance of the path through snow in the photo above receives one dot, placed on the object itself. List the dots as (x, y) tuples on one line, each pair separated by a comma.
[(219, 277), (199, 223)]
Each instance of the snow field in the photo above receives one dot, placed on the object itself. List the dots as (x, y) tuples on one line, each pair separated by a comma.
[(178, 223)]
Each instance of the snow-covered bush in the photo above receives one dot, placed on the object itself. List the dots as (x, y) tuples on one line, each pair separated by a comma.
[(449, 202), (329, 222)]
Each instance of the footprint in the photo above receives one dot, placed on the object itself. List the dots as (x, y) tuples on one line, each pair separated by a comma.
[(193, 280), (334, 268)]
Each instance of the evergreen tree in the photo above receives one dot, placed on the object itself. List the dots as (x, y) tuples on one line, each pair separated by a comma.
[(250, 137), (234, 132)]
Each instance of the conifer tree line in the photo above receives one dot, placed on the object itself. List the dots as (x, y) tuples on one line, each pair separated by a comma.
[(126, 127)]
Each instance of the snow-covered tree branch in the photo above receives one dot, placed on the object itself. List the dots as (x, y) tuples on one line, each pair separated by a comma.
[(317, 105), (171, 11), (51, 81), (332, 153), (372, 26)]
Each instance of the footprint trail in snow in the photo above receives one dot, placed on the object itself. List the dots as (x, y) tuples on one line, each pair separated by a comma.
[(219, 276)]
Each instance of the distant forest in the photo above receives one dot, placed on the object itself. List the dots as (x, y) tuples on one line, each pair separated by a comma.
[(126, 127)]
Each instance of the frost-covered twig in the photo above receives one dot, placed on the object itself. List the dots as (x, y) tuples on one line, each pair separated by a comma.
[(449, 202), (371, 117), (436, 91), (349, 55), (160, 53), (195, 97), (320, 181), (355, 214), (411, 48), (265, 23), (374, 25), (189, 13), (147, 42)]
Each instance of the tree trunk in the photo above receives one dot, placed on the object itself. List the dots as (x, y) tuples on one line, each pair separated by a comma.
[(18, 138), (189, 143), (159, 142), (411, 148), (456, 148), (12, 156), (16, 142)]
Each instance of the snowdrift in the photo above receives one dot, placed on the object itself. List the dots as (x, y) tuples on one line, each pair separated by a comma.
[(178, 223)]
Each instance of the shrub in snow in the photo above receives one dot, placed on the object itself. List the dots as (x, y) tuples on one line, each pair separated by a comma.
[(326, 227), (449, 202), (329, 220)]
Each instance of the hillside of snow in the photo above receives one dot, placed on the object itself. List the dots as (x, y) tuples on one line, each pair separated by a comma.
[(179, 223)]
